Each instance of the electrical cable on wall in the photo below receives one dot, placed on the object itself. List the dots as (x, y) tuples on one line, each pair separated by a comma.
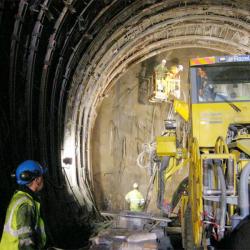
[(147, 149)]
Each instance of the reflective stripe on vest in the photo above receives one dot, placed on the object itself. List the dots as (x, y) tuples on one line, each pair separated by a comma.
[(7, 226), (26, 242)]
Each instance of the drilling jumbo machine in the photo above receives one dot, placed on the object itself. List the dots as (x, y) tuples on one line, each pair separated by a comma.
[(216, 121)]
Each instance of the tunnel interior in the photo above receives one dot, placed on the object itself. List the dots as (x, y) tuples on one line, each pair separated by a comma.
[(72, 95), (126, 122)]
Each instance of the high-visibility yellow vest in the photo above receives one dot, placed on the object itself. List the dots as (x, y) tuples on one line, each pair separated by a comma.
[(20, 237), (135, 200)]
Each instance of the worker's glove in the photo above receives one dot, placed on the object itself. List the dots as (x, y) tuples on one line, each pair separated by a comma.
[(210, 86), (141, 203)]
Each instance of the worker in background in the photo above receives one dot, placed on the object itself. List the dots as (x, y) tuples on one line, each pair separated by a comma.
[(201, 82), (161, 70), (135, 199), (24, 227), (175, 70), (205, 89)]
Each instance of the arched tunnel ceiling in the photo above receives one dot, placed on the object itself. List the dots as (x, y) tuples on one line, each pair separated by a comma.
[(64, 58)]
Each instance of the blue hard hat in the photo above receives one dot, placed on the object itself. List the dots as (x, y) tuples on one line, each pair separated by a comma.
[(27, 171)]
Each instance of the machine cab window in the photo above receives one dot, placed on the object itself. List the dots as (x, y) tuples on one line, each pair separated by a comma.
[(220, 83)]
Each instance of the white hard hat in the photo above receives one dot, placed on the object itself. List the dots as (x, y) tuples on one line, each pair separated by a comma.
[(135, 185), (164, 61), (180, 67)]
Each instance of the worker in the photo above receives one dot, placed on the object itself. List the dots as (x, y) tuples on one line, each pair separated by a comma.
[(175, 70), (135, 199), (202, 83), (160, 74), (161, 70), (205, 87), (24, 227)]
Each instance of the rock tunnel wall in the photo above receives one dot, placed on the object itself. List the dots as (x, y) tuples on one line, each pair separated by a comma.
[(61, 58)]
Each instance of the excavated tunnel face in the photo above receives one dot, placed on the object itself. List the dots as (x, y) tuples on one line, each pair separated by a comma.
[(127, 124), (67, 57)]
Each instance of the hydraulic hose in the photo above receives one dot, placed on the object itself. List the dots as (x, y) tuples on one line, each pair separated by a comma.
[(223, 199), (230, 174), (205, 174), (161, 182), (244, 196)]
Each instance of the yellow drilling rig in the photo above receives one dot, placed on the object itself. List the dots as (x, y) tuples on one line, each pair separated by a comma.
[(216, 120)]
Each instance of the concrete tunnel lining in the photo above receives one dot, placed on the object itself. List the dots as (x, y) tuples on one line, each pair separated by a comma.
[(96, 42), (162, 32)]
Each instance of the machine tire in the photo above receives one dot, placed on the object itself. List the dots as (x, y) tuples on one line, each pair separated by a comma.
[(188, 241)]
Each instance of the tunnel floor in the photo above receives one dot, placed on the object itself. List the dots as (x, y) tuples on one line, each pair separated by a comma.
[(136, 230)]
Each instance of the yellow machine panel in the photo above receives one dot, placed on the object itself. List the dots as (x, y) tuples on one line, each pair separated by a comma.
[(166, 145), (243, 144), (211, 120), (182, 108)]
